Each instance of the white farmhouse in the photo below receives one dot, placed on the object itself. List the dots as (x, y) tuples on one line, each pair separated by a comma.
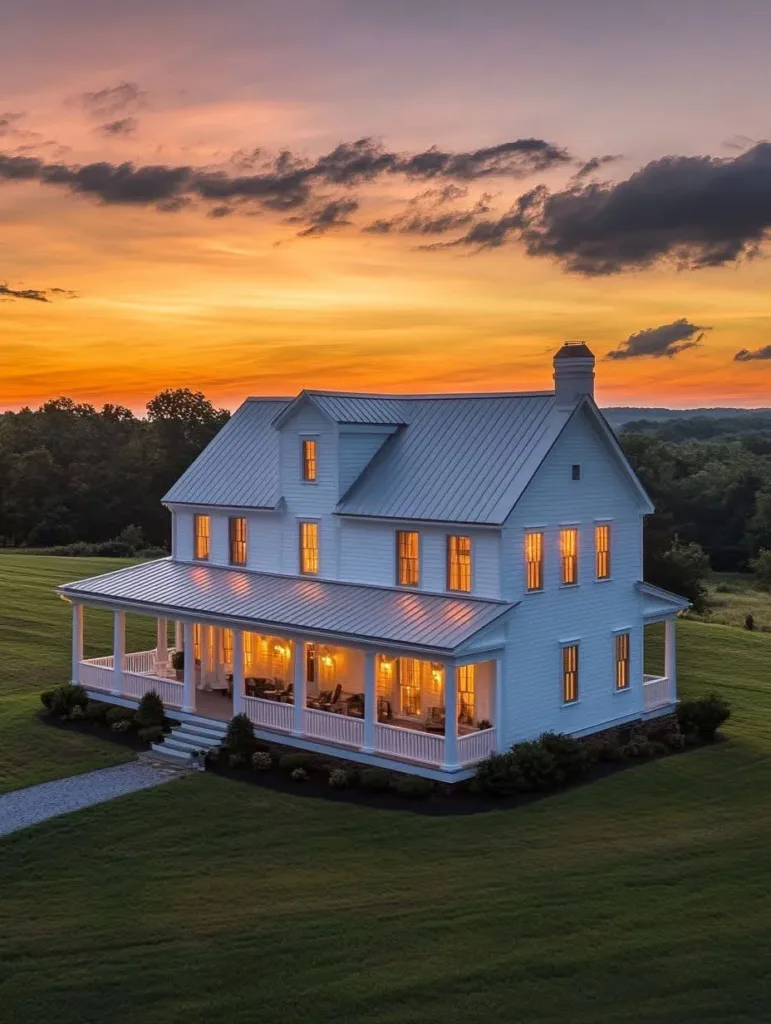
[(411, 581)]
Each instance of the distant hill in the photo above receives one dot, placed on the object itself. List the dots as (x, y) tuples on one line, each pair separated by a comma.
[(617, 416)]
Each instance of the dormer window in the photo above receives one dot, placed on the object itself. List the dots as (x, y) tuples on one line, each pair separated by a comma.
[(237, 532), (407, 558), (459, 563), (309, 548), (310, 460), (201, 538)]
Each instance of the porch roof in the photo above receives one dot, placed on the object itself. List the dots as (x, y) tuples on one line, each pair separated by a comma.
[(344, 611), (659, 603)]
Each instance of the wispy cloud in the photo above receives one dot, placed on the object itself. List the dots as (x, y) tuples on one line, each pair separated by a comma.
[(34, 294), (744, 355), (668, 340)]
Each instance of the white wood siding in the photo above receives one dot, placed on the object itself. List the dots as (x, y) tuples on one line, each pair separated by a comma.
[(368, 555), (588, 613), (356, 448)]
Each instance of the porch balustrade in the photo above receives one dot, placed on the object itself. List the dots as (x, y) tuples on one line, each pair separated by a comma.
[(655, 692)]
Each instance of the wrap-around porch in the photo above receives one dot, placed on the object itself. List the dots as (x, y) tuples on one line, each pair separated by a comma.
[(387, 703)]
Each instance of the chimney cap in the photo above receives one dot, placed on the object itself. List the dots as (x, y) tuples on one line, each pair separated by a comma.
[(575, 350)]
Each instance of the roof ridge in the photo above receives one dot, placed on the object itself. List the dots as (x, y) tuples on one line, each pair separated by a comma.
[(414, 397)]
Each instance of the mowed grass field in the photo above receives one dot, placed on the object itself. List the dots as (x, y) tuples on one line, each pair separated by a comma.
[(642, 897)]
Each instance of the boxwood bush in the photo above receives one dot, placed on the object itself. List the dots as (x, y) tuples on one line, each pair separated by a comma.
[(240, 740), (703, 716), (290, 762), (377, 780), (413, 786)]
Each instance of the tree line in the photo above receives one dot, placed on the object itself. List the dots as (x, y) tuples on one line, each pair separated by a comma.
[(70, 472)]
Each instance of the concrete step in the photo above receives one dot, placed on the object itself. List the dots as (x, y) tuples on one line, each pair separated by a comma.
[(192, 729), (177, 755), (183, 744)]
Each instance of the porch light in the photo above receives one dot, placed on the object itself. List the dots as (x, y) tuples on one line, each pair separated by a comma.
[(328, 660), (386, 665)]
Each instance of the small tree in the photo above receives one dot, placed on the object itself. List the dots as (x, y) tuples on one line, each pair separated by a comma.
[(150, 711), (240, 739), (761, 566)]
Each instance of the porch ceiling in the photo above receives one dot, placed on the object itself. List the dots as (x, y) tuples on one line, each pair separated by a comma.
[(341, 610), (659, 603)]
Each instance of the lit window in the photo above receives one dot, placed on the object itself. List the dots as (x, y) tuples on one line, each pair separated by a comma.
[(466, 692), (310, 663), (602, 550), (310, 464), (570, 673), (459, 563), (309, 548), (227, 646), (408, 558), (202, 537), (569, 555), (409, 685), (622, 661), (197, 641), (237, 528), (534, 560)]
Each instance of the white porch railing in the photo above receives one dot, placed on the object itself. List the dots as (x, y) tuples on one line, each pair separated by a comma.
[(269, 714), (476, 745), (325, 725), (655, 692), (409, 743), (96, 674), (140, 661), (136, 684)]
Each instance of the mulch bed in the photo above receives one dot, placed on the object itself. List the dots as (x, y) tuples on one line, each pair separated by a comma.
[(446, 799)]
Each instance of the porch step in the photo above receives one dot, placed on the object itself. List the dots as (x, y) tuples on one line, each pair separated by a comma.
[(182, 756), (186, 737)]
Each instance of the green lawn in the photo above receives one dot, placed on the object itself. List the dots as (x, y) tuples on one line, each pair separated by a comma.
[(35, 632), (642, 897)]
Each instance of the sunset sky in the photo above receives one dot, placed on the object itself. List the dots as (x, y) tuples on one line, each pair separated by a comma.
[(250, 197)]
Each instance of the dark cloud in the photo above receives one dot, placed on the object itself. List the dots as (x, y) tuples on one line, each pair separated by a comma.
[(333, 214), (34, 294), (695, 211), (745, 356), (595, 164), (112, 101), (123, 126), (284, 183), (667, 340), (427, 213)]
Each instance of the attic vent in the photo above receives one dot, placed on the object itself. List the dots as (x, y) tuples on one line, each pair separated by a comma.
[(576, 472)]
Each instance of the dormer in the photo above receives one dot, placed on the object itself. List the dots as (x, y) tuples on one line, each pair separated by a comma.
[(329, 438)]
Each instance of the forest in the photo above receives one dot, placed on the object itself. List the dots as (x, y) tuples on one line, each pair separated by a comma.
[(71, 474)]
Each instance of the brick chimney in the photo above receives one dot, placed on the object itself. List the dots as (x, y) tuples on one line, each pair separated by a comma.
[(573, 373)]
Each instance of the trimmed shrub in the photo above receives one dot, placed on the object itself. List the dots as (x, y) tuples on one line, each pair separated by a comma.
[(77, 714), (151, 733), (240, 738), (289, 762), (122, 725), (65, 698), (497, 775), (608, 750), (413, 786), (150, 711), (236, 760), (96, 711), (376, 780), (298, 775), (639, 746), (262, 761), (703, 716), (338, 778), (573, 758), (674, 740), (536, 764), (47, 698), (119, 714)]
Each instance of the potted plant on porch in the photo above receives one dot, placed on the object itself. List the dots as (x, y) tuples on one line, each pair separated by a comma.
[(198, 760), (178, 664)]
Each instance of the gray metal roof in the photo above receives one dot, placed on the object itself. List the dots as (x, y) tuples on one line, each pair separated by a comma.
[(460, 459), (342, 610), (240, 466), (659, 602), (350, 407)]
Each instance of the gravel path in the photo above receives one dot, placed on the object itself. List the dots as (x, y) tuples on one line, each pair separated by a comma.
[(28, 806)]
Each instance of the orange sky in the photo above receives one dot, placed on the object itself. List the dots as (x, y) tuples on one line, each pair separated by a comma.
[(241, 305)]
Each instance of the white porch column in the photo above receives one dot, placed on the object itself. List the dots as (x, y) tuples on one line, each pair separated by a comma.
[(670, 659), (370, 703), (118, 651), (238, 671), (161, 644), (499, 703), (77, 641), (188, 678), (300, 687), (450, 717), (178, 640)]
